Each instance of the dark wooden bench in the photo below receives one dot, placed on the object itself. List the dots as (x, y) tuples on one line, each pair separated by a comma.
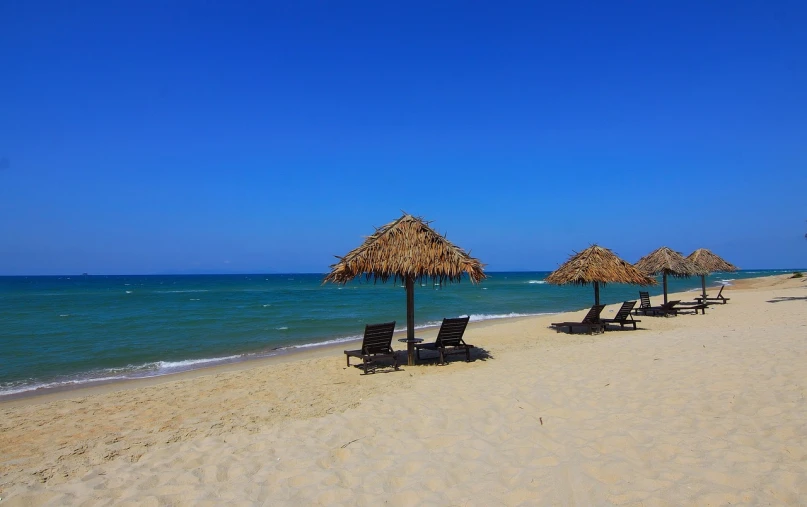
[(377, 343), (622, 316), (591, 322), (664, 310), (716, 299), (644, 303), (449, 340), (684, 306)]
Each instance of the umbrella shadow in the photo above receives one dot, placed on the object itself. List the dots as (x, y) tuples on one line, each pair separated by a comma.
[(787, 298)]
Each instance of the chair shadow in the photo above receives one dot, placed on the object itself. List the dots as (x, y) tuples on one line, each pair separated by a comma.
[(376, 366), (386, 365), (432, 358), (626, 328), (787, 298)]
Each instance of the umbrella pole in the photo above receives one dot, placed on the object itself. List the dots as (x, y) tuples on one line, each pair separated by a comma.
[(665, 287), (703, 283), (596, 293), (410, 320)]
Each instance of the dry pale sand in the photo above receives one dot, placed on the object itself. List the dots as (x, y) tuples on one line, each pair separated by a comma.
[(696, 410)]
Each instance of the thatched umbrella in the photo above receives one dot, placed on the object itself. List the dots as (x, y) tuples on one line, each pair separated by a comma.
[(705, 259), (668, 262), (597, 265), (407, 249)]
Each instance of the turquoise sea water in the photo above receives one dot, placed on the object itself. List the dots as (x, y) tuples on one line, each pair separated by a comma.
[(61, 331)]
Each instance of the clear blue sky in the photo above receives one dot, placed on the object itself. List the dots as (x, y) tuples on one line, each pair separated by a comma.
[(157, 137)]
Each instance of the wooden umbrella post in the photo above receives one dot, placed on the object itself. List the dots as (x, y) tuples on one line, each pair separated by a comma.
[(664, 276), (703, 284), (596, 293), (410, 320)]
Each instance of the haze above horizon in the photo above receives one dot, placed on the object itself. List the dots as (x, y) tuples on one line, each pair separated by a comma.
[(141, 138)]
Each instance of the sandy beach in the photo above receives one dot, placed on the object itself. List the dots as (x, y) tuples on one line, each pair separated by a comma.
[(688, 410)]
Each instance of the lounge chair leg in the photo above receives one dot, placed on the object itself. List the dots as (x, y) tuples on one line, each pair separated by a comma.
[(467, 355), (365, 366), (441, 357)]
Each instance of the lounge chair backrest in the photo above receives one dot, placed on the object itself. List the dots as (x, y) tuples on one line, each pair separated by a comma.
[(669, 304), (644, 297), (378, 338), (451, 331), (593, 315), (720, 292), (624, 310)]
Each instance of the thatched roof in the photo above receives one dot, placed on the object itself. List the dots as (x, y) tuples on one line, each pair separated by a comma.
[(709, 261), (597, 264), (407, 247), (666, 260)]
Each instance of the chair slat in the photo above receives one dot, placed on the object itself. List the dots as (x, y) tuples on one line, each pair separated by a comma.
[(450, 334), (624, 310), (449, 339), (593, 314), (378, 338)]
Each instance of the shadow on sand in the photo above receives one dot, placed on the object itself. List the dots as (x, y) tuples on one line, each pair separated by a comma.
[(428, 358), (790, 298)]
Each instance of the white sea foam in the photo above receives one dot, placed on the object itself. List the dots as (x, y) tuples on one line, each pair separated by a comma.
[(10, 389), (64, 315), (175, 365), (128, 292), (282, 328), (194, 299), (541, 282), (494, 316), (327, 342), (153, 369), (179, 291)]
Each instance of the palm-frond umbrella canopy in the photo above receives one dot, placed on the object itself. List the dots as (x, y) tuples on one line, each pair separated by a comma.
[(407, 249), (597, 265), (711, 262), (668, 262)]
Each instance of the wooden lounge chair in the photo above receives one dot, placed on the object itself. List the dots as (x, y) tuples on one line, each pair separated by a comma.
[(591, 321), (377, 343), (449, 340), (645, 308), (644, 303), (664, 310), (622, 316), (684, 306), (717, 299)]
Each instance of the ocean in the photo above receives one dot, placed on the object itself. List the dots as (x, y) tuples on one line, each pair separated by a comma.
[(58, 331)]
